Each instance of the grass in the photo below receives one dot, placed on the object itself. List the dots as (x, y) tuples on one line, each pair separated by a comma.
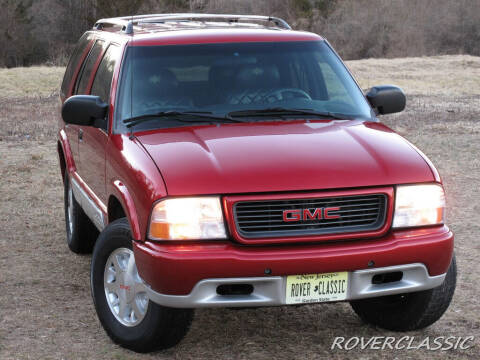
[(46, 309), (451, 75), (35, 81)]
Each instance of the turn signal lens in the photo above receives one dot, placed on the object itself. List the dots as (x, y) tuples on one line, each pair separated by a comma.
[(187, 219), (418, 205)]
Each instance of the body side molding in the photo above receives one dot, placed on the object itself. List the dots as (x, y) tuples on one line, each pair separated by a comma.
[(89, 206)]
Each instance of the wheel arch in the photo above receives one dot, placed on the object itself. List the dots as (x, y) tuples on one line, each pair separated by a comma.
[(120, 204), (115, 209), (67, 164), (61, 159)]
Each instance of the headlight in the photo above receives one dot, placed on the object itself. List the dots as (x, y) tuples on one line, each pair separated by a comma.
[(187, 219), (417, 205)]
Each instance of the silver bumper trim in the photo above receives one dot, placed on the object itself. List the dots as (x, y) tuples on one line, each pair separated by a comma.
[(415, 278), (270, 291)]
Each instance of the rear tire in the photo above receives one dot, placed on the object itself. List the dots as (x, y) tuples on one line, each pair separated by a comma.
[(128, 317), (81, 233), (411, 311)]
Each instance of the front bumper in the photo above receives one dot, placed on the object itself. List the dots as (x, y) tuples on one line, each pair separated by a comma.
[(270, 291), (176, 268)]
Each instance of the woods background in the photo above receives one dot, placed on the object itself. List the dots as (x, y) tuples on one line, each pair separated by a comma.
[(44, 31)]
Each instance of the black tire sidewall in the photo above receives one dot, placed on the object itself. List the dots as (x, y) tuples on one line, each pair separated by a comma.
[(117, 235), (84, 233), (161, 327), (415, 311)]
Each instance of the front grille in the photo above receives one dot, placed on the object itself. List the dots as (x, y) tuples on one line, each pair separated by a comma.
[(265, 218)]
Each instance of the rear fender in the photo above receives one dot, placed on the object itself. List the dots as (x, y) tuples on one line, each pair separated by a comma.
[(67, 152)]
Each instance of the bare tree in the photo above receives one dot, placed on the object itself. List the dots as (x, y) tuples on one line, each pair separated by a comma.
[(113, 8), (16, 41), (46, 30)]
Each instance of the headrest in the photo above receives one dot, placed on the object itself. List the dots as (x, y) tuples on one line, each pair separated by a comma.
[(161, 78), (256, 76)]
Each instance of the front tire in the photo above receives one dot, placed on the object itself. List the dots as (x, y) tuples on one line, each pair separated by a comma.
[(81, 233), (411, 311), (122, 305)]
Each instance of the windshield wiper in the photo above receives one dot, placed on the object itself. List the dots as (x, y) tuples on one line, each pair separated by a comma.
[(286, 111), (192, 117)]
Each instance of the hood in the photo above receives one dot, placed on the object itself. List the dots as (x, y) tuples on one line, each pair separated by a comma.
[(282, 156)]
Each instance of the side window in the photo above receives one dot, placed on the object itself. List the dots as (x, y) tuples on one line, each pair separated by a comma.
[(88, 67), (103, 77), (83, 46)]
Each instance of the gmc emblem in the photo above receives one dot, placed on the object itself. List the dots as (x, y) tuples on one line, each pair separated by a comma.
[(306, 214)]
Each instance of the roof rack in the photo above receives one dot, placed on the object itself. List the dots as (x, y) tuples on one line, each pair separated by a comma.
[(127, 23)]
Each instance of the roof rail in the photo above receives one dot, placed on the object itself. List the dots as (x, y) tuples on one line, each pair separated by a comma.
[(127, 23), (215, 17)]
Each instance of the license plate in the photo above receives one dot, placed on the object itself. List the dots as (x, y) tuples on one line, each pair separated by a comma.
[(313, 288)]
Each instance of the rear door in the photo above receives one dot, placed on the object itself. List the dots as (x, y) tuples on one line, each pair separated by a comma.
[(94, 139), (68, 85)]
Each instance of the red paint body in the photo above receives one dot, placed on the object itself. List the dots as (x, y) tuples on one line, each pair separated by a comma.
[(250, 161), (182, 266), (282, 156)]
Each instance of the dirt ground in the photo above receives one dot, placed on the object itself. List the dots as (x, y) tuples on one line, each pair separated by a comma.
[(46, 311)]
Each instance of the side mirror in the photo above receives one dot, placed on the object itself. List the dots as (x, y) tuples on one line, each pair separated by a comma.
[(83, 110), (386, 99)]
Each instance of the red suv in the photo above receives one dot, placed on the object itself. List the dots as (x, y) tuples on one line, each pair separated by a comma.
[(229, 161)]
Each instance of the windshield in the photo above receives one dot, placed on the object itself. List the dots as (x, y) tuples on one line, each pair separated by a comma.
[(235, 79)]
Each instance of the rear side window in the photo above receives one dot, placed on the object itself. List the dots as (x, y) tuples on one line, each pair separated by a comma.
[(103, 77), (82, 46), (88, 67)]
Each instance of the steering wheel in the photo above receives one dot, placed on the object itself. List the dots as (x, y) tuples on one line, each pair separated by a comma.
[(286, 93)]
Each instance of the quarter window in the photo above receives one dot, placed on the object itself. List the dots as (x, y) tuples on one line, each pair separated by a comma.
[(88, 67), (82, 47)]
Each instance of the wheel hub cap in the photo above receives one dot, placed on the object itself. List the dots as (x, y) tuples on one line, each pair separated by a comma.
[(124, 289)]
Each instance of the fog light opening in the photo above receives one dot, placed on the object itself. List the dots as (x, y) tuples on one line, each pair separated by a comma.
[(387, 277), (234, 289)]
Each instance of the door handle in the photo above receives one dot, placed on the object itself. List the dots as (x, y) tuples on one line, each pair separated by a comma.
[(80, 134)]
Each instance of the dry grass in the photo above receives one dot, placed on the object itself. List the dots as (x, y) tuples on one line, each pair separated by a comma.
[(455, 75), (35, 81), (45, 306)]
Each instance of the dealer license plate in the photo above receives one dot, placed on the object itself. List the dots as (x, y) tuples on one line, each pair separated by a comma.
[(313, 288)]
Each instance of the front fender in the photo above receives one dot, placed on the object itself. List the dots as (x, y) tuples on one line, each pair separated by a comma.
[(123, 195)]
